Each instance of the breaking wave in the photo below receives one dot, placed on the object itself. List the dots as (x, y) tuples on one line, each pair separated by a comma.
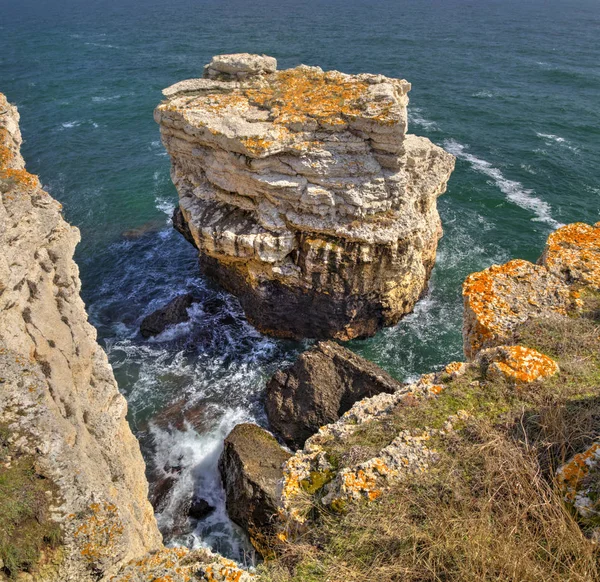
[(514, 191)]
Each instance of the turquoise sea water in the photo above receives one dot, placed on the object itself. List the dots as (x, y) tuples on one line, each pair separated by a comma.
[(511, 88)]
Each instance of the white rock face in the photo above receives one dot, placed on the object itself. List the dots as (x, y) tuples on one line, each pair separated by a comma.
[(58, 396), (304, 194)]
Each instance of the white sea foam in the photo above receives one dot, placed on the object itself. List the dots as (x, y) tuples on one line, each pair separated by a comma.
[(77, 123), (166, 205), (99, 99), (514, 191), (483, 94), (197, 456), (551, 138), (415, 116), (112, 46), (528, 168)]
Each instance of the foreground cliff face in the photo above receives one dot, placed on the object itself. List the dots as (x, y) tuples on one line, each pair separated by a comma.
[(58, 398), (304, 194)]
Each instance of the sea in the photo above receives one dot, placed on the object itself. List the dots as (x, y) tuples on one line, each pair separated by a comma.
[(510, 87)]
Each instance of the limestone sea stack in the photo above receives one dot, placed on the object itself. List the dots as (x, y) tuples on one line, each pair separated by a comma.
[(304, 194)]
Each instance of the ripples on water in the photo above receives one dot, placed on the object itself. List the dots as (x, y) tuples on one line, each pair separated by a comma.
[(509, 87)]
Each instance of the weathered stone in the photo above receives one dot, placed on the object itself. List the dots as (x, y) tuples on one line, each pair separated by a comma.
[(58, 394), (183, 565), (304, 194), (579, 480), (323, 383), (501, 297), (517, 364), (182, 415), (572, 253), (309, 470), (174, 312), (239, 66), (181, 226), (251, 467)]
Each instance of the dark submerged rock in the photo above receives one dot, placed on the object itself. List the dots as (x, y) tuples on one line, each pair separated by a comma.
[(172, 313), (199, 508), (251, 467), (323, 383)]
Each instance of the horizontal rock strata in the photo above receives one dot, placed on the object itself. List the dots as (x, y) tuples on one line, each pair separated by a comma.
[(323, 384), (304, 194)]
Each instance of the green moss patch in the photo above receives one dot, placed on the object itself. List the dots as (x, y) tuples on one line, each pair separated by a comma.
[(26, 531)]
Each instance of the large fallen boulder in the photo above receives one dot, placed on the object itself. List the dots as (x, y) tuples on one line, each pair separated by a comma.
[(251, 468), (322, 384)]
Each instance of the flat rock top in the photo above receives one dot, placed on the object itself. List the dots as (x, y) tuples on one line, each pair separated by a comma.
[(244, 97)]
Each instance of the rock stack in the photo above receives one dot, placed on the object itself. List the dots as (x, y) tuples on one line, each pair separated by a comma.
[(304, 194)]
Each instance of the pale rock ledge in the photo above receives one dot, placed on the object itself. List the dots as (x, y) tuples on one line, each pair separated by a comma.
[(303, 193)]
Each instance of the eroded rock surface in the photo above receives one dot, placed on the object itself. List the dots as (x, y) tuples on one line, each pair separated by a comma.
[(304, 194), (323, 384), (251, 468), (58, 396), (501, 297), (60, 405)]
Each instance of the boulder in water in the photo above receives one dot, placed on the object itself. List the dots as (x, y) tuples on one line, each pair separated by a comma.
[(251, 468), (323, 383), (304, 194), (176, 311), (199, 508)]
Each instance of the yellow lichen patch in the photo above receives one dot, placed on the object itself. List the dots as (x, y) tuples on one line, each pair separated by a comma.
[(579, 481), (297, 95), (573, 253), (571, 474), (256, 146), (520, 364), (100, 532), (363, 481), (455, 369), (182, 565), (20, 178), (500, 297)]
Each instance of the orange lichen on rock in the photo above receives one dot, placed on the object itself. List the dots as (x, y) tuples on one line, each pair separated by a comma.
[(518, 364), (303, 93), (99, 534), (573, 254), (456, 369), (182, 565), (497, 299), (20, 177), (579, 480)]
